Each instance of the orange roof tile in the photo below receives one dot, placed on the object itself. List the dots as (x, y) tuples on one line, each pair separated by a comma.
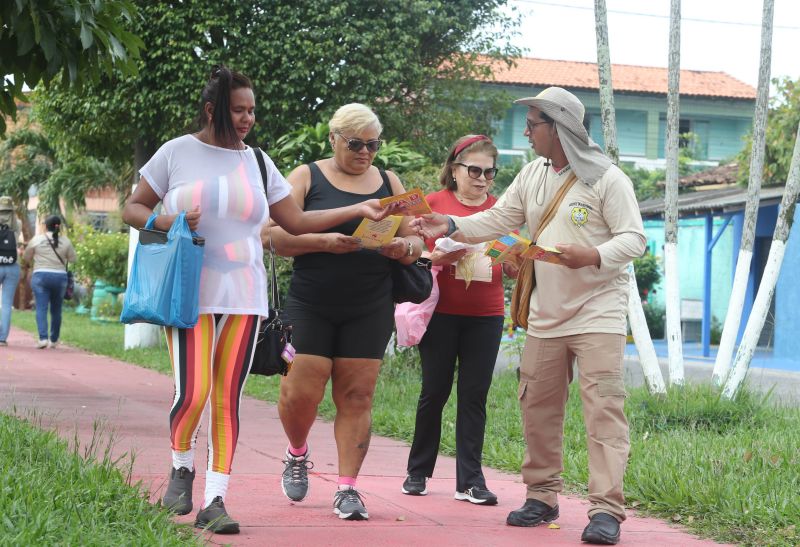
[(628, 78)]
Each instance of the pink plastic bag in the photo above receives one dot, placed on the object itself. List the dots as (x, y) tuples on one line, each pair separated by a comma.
[(411, 320)]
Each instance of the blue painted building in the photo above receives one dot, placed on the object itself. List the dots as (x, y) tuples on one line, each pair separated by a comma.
[(709, 235), (714, 106)]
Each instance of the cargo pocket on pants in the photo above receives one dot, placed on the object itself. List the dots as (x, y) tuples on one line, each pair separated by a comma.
[(611, 385)]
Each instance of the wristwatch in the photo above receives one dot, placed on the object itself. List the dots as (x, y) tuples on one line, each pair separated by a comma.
[(451, 227)]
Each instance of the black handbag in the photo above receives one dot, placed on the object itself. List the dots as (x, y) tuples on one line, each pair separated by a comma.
[(274, 333), (412, 282)]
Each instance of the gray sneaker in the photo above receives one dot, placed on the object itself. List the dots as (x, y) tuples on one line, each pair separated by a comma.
[(294, 482), (349, 505), (214, 518), (178, 497)]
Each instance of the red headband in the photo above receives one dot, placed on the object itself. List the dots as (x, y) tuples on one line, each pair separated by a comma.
[(472, 140)]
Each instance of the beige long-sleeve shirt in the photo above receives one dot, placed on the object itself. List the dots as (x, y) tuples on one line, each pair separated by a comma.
[(605, 215), (43, 255)]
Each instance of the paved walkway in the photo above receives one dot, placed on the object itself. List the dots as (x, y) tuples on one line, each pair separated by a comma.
[(72, 390)]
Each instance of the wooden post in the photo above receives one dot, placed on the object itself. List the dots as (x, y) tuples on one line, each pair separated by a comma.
[(733, 318)]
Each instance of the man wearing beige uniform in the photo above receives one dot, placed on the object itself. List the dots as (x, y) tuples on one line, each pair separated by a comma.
[(576, 312)]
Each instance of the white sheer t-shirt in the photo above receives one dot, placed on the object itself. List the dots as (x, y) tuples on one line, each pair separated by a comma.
[(226, 185)]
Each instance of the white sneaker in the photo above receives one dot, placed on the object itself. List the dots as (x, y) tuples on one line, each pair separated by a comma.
[(52, 345), (41, 344)]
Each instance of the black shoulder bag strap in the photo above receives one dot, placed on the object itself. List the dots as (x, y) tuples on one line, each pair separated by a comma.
[(65, 264), (274, 296)]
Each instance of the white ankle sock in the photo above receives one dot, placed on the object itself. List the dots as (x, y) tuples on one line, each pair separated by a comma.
[(216, 485), (183, 459)]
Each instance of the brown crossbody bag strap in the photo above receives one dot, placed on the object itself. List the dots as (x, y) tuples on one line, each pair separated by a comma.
[(526, 279)]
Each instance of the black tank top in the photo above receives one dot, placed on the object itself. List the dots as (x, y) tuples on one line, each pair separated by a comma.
[(328, 279)]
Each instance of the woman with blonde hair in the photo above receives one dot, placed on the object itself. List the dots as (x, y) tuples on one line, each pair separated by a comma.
[(340, 306)]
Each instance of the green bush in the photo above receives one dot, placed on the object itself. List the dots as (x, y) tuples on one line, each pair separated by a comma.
[(309, 143), (102, 256), (656, 320), (648, 274)]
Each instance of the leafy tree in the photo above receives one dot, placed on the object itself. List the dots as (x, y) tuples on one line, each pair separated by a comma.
[(40, 39), (28, 161), (414, 61), (782, 122)]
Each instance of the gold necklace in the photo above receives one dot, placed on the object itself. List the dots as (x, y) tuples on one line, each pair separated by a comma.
[(466, 201)]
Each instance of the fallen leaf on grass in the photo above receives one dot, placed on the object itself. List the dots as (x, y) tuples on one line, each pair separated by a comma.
[(690, 519), (676, 518), (748, 455), (554, 526)]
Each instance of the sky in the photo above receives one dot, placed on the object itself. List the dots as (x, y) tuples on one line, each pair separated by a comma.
[(716, 35)]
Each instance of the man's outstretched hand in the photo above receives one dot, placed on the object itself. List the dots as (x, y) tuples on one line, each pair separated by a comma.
[(430, 225)]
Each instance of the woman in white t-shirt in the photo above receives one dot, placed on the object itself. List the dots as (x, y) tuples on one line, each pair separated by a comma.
[(213, 176)]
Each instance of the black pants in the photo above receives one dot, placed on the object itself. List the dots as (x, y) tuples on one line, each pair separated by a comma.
[(474, 341)]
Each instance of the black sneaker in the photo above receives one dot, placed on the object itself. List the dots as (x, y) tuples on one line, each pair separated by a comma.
[(603, 529), (294, 482), (533, 513), (477, 495), (349, 505), (415, 486), (178, 497), (214, 518)]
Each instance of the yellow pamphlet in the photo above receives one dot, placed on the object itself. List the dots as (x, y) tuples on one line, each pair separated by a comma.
[(547, 254), (411, 203), (374, 234)]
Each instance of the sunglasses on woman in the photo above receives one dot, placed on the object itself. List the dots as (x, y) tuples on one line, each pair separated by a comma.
[(355, 145), (475, 172)]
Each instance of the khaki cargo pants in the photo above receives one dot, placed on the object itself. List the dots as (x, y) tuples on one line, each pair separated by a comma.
[(545, 374)]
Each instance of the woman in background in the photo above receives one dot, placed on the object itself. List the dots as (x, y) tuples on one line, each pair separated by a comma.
[(9, 263)]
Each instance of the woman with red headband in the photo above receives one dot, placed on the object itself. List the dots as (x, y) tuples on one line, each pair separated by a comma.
[(466, 327)]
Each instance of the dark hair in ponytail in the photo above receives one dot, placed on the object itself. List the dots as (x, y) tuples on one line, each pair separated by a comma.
[(53, 224), (218, 92)]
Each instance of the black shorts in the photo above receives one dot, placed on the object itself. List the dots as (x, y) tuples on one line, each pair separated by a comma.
[(360, 332)]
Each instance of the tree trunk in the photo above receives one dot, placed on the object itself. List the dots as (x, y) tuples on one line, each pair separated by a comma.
[(641, 335), (673, 298), (139, 335), (736, 303), (766, 290)]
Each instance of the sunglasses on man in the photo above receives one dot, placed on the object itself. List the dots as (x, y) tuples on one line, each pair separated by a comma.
[(475, 172), (355, 145)]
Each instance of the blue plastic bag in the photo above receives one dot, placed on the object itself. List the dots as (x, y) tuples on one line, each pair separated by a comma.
[(164, 283)]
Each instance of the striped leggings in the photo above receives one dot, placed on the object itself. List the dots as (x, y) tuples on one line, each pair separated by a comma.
[(210, 362)]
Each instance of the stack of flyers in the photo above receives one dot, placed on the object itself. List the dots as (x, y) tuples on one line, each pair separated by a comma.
[(546, 254), (411, 203), (506, 248)]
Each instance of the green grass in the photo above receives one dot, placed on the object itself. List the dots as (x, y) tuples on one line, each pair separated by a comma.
[(54, 495), (726, 469)]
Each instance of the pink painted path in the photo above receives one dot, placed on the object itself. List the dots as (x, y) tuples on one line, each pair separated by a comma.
[(72, 389)]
